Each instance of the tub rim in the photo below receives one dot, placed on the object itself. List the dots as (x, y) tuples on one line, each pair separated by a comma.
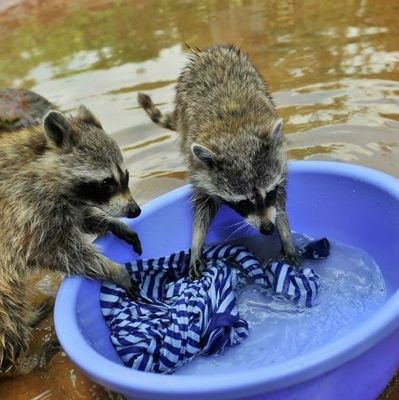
[(236, 384)]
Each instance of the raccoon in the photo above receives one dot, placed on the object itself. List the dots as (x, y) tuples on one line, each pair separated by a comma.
[(59, 181), (232, 143)]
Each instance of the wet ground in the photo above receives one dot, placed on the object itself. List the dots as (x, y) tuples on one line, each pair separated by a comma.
[(333, 67)]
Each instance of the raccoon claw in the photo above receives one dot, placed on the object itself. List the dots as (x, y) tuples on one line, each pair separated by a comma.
[(195, 269), (132, 238), (133, 291)]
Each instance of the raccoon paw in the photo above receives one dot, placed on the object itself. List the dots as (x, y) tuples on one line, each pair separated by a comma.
[(121, 277), (195, 269), (133, 291), (125, 281), (48, 351), (132, 238), (291, 256), (39, 359)]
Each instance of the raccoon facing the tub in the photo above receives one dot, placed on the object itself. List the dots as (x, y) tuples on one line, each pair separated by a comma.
[(60, 180), (232, 143)]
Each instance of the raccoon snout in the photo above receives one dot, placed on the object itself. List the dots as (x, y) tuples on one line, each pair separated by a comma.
[(266, 228), (133, 211)]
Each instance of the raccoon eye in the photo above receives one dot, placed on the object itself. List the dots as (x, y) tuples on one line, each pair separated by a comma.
[(243, 207), (95, 190), (106, 183)]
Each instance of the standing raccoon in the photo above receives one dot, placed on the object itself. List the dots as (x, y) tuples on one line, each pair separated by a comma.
[(232, 142), (58, 182)]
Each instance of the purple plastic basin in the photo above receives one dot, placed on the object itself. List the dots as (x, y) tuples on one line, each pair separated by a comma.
[(352, 204)]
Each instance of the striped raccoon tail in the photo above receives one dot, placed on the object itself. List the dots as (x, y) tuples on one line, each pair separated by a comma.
[(164, 120)]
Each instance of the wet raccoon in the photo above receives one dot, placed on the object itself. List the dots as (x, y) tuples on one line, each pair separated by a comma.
[(233, 145), (59, 181)]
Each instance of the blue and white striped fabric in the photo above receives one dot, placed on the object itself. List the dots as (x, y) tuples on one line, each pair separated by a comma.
[(175, 319)]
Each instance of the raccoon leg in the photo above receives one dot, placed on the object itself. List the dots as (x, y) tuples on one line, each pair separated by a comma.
[(15, 330), (75, 256), (97, 221), (167, 121), (38, 359), (123, 232), (26, 363), (291, 254), (205, 209), (41, 312), (16, 321)]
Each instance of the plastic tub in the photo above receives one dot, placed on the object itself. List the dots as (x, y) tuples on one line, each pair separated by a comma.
[(353, 204)]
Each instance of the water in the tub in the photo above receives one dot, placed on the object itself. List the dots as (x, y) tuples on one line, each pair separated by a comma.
[(352, 288)]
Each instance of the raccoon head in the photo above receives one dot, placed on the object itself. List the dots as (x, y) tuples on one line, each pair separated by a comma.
[(246, 171), (89, 162)]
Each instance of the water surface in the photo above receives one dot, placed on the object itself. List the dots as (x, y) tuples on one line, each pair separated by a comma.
[(352, 289)]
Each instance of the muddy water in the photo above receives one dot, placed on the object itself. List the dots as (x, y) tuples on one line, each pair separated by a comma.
[(333, 67)]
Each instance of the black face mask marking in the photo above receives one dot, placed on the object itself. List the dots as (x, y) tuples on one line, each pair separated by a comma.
[(247, 207), (96, 191), (271, 197), (243, 207)]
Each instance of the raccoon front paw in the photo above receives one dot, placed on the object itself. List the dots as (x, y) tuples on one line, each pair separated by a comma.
[(133, 291), (122, 278), (195, 269), (26, 363), (48, 351), (130, 286), (131, 237), (291, 256)]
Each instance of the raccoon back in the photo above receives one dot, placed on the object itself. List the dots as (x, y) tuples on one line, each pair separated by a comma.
[(220, 90)]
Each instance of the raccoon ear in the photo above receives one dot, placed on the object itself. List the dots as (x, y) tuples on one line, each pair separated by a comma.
[(58, 130), (204, 155), (277, 128), (86, 115)]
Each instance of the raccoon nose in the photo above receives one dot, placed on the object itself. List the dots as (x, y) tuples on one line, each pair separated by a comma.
[(133, 211), (266, 228)]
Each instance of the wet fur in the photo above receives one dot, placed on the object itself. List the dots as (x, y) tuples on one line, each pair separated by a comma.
[(232, 143), (45, 226)]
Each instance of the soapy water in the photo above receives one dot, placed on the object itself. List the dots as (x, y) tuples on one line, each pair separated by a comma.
[(352, 288)]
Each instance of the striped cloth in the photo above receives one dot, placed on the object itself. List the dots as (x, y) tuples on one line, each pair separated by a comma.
[(176, 320)]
